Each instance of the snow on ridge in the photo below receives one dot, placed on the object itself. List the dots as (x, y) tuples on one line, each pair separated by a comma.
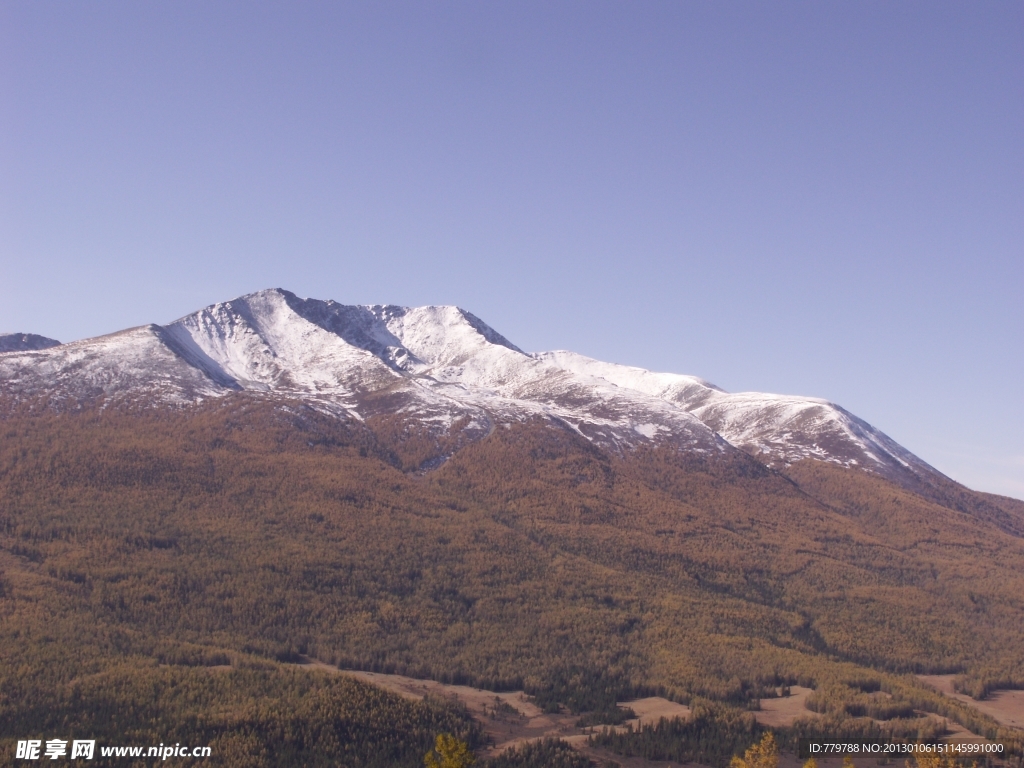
[(667, 386), (136, 359), (437, 364), (780, 429)]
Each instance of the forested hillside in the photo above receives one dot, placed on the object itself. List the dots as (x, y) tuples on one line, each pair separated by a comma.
[(169, 564)]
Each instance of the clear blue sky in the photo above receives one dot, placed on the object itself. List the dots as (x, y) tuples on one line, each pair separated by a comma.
[(810, 198)]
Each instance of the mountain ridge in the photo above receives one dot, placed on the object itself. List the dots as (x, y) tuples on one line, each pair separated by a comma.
[(439, 365)]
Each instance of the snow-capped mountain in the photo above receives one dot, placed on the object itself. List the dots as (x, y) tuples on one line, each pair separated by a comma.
[(437, 365)]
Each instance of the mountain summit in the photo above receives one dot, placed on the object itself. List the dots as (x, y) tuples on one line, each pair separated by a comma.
[(439, 366)]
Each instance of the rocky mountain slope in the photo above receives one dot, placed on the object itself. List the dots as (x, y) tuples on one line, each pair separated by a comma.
[(437, 366)]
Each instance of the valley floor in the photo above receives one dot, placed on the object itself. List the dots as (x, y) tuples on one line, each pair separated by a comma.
[(510, 719), (1005, 707)]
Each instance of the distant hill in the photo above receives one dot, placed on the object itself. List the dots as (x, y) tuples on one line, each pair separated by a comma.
[(24, 342)]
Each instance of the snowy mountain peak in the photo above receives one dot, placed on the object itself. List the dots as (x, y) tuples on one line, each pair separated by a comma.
[(406, 339), (438, 365)]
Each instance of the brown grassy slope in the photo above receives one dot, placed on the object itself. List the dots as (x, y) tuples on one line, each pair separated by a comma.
[(806, 574), (972, 569), (196, 537), (1014, 508)]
